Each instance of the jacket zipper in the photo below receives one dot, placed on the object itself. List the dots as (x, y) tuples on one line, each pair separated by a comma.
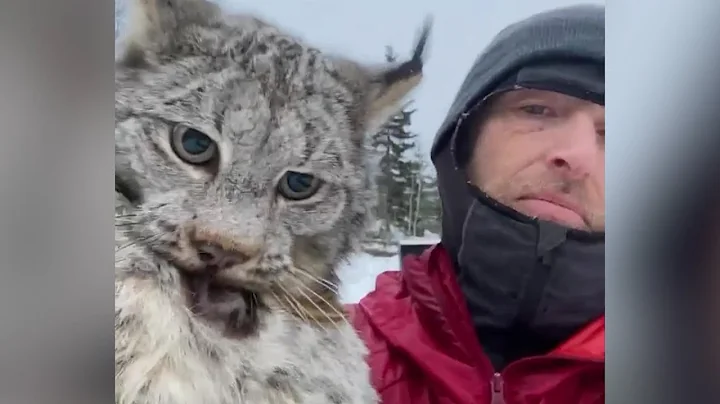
[(496, 388), (497, 383)]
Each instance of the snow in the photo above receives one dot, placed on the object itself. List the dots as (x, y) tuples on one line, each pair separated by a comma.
[(427, 238), (357, 277), (430, 239), (381, 248)]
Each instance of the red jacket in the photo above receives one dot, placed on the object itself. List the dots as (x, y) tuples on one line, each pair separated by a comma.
[(423, 349)]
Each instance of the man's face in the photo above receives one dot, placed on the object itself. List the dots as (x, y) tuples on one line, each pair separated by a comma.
[(543, 154)]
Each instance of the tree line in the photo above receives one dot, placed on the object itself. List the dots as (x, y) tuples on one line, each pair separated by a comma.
[(408, 201)]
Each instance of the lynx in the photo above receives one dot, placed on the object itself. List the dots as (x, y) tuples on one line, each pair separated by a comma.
[(241, 184)]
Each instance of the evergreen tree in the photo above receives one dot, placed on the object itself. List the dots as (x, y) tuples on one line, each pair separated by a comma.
[(391, 143), (408, 200), (430, 208), (424, 211)]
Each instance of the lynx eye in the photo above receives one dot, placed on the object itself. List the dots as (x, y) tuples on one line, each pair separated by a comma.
[(192, 146), (297, 186)]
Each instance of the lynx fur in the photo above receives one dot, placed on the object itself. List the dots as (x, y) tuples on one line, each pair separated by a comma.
[(241, 184)]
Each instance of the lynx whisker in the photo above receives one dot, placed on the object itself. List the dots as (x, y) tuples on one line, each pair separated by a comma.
[(138, 242), (303, 287), (322, 282), (300, 308)]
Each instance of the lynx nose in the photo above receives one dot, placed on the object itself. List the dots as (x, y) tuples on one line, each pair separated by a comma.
[(216, 256), (219, 252)]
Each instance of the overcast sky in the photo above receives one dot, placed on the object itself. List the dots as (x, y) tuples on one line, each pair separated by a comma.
[(362, 29)]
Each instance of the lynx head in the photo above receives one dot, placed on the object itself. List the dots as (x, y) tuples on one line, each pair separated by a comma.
[(241, 149)]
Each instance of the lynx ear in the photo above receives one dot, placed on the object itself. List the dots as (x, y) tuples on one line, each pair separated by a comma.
[(390, 84), (154, 25)]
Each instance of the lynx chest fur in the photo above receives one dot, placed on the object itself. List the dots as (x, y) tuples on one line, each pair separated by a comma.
[(163, 355), (241, 185)]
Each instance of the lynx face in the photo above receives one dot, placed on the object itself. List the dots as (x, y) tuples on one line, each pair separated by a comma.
[(241, 153)]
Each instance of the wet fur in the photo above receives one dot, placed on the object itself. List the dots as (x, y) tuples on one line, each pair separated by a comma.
[(272, 103)]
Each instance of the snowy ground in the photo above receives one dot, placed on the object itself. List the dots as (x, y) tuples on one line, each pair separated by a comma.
[(358, 277)]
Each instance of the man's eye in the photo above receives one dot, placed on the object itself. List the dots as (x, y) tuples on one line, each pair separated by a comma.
[(539, 110)]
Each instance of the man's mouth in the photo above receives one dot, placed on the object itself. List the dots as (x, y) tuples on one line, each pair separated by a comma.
[(554, 208)]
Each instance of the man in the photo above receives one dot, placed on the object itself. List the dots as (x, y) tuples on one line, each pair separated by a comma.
[(509, 307)]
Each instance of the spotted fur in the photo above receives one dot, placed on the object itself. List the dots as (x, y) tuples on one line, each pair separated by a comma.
[(271, 103)]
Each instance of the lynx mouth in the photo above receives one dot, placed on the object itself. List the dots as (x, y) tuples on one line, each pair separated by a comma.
[(229, 308), (232, 310)]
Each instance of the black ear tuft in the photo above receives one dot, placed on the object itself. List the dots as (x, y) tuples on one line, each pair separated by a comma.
[(421, 44), (414, 65), (390, 85)]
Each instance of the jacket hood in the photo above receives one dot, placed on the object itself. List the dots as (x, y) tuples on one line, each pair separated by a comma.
[(523, 279), (576, 32)]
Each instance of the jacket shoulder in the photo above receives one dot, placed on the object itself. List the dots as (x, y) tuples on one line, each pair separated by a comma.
[(386, 366), (387, 284)]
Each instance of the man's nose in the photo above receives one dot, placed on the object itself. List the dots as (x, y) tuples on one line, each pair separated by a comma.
[(577, 147), (218, 251)]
